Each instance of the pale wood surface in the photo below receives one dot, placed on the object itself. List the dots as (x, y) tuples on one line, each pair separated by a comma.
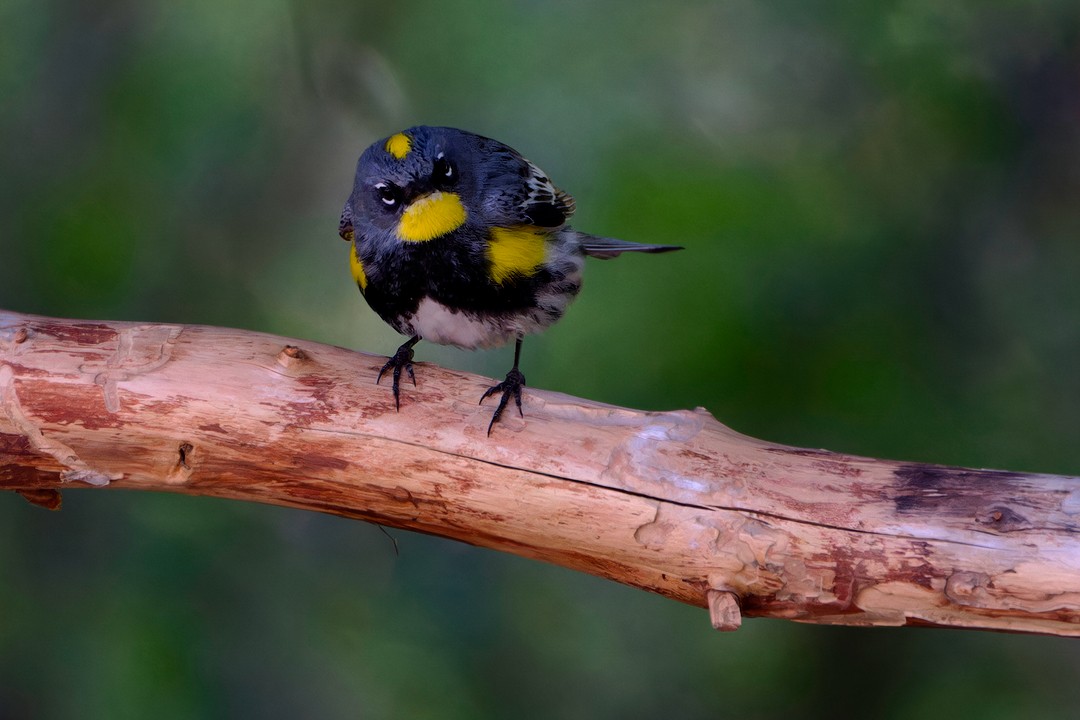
[(672, 502)]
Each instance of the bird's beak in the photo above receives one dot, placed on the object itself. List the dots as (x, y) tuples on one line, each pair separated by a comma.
[(431, 216), (345, 224)]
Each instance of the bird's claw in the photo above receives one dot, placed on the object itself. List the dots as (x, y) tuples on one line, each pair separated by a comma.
[(510, 387), (401, 359)]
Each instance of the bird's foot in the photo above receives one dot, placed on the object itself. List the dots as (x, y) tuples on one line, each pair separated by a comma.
[(510, 387), (402, 359)]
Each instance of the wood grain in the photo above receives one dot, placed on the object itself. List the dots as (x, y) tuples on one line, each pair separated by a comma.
[(671, 502)]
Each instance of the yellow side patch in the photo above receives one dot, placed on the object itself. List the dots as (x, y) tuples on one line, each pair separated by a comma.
[(430, 217), (398, 145), (357, 268), (516, 251)]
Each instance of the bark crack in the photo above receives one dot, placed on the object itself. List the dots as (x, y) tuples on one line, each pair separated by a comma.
[(756, 513)]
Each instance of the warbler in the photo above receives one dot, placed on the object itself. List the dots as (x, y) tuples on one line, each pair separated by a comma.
[(459, 240)]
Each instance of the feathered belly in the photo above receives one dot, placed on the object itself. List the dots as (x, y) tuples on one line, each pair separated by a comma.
[(456, 308), (440, 324)]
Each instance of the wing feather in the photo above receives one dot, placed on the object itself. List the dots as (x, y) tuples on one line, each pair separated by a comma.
[(605, 248), (519, 192)]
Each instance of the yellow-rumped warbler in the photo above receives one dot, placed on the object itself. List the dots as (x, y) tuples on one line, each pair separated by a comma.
[(458, 239)]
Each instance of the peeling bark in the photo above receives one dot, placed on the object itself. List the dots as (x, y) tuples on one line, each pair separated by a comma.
[(671, 502)]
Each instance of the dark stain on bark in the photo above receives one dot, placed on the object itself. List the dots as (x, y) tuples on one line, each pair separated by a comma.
[(991, 500), (78, 333)]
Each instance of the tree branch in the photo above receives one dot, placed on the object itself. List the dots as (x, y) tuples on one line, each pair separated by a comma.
[(672, 502)]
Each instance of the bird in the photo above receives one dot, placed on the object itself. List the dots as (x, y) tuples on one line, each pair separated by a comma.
[(459, 240)]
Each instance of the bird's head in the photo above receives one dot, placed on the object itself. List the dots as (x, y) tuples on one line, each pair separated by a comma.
[(416, 185)]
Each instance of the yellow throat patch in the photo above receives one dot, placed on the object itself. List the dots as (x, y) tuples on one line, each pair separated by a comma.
[(430, 217), (516, 251), (357, 269), (398, 145)]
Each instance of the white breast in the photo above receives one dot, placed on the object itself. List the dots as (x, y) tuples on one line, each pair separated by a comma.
[(439, 324)]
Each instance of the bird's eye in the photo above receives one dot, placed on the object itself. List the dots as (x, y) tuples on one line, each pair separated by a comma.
[(387, 193), (443, 172)]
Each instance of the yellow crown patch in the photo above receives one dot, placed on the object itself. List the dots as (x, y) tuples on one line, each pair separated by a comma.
[(398, 145)]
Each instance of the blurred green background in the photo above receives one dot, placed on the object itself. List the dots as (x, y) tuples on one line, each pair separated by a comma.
[(881, 207)]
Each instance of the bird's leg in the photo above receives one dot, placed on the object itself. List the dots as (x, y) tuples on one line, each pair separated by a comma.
[(510, 387), (401, 359)]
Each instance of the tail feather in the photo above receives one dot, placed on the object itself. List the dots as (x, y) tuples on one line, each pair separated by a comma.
[(604, 248)]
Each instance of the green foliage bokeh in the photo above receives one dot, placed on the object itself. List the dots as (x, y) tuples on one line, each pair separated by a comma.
[(881, 208)]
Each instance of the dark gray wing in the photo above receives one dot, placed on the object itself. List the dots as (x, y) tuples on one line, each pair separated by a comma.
[(518, 192), (544, 204)]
